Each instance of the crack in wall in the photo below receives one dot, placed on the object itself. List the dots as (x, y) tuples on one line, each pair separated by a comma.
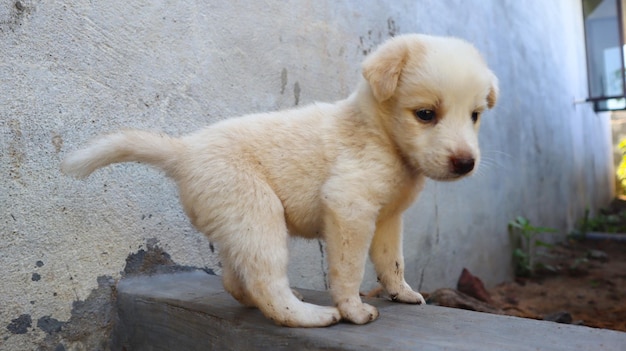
[(437, 236), (437, 229), (325, 275)]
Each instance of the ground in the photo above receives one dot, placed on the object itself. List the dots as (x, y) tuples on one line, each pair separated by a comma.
[(587, 280), (581, 280)]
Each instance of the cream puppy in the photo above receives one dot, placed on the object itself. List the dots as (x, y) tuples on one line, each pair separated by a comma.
[(343, 172)]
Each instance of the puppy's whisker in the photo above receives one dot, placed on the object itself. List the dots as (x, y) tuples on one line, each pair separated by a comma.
[(496, 163), (497, 153), (480, 172), (487, 165)]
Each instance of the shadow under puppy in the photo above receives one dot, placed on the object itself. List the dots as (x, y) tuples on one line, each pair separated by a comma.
[(343, 172)]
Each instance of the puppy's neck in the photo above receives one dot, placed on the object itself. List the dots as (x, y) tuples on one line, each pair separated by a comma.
[(370, 110), (363, 97), (373, 114)]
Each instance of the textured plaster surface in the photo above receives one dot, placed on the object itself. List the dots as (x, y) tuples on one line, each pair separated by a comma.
[(70, 70)]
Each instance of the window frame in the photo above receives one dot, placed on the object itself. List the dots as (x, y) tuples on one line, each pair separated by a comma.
[(600, 102)]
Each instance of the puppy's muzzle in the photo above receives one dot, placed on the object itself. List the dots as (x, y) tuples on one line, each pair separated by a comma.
[(461, 165)]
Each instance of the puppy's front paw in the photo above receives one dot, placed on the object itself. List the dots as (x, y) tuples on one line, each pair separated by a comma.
[(312, 316), (358, 312), (407, 295)]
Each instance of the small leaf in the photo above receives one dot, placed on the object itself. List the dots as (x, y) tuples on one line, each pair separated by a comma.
[(520, 253), (548, 267), (523, 221), (540, 243), (544, 230)]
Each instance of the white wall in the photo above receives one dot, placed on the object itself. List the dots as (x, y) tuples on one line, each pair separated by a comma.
[(74, 69)]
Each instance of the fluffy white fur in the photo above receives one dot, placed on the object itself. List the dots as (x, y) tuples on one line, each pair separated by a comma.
[(344, 172)]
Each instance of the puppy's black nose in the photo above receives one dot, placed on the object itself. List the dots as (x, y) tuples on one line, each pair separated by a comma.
[(461, 165)]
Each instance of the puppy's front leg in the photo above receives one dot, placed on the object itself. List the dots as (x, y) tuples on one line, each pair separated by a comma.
[(386, 254), (347, 241)]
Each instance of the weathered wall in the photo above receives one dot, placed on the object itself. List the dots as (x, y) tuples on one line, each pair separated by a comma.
[(70, 70)]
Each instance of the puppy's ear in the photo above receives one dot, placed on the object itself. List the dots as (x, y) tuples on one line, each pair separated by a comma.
[(494, 92), (382, 68)]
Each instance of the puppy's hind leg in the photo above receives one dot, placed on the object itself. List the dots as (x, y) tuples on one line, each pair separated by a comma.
[(256, 249), (235, 286)]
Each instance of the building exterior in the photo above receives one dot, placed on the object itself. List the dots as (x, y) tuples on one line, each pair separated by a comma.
[(74, 69)]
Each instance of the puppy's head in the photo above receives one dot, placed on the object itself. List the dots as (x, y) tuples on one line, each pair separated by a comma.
[(430, 93)]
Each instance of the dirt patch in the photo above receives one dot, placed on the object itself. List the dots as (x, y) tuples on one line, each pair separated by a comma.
[(587, 286), (584, 285)]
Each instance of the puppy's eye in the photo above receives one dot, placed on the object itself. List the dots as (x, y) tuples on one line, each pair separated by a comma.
[(475, 116), (425, 115)]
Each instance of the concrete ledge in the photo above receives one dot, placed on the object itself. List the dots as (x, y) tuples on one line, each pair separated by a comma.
[(191, 311)]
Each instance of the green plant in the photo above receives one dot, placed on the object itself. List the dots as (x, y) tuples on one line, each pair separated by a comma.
[(524, 236), (603, 222), (584, 226), (578, 262)]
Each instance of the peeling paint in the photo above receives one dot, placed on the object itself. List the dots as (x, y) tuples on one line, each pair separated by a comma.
[(155, 261), (15, 18), (91, 321), (57, 142), (20, 324), (393, 29), (16, 149), (49, 325)]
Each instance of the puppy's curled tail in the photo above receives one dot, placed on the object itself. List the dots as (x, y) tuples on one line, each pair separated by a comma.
[(158, 150)]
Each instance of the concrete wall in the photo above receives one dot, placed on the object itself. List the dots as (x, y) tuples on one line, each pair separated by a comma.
[(71, 70)]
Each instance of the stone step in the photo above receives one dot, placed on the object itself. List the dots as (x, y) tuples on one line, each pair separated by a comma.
[(191, 311)]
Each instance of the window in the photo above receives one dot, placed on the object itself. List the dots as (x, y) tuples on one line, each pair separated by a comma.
[(604, 39)]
